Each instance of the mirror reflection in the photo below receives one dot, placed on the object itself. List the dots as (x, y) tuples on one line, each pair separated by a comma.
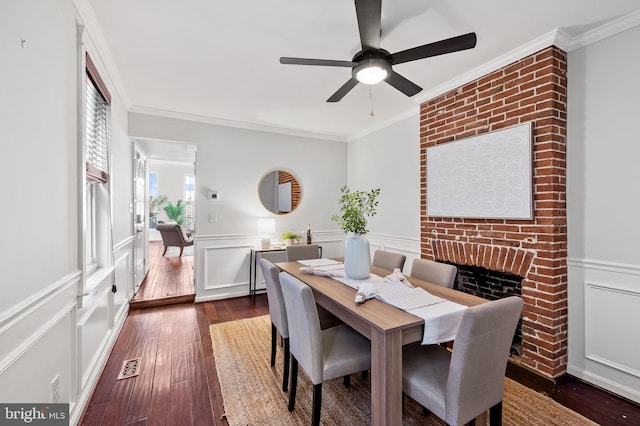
[(279, 192)]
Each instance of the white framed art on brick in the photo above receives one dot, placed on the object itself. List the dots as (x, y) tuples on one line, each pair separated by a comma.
[(488, 176)]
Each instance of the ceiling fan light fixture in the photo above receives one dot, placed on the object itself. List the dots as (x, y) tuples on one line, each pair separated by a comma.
[(372, 71)]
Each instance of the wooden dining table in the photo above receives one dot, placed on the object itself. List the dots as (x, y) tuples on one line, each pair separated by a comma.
[(387, 327)]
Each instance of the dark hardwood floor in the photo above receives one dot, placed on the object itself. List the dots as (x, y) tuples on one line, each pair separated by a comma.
[(178, 383), (170, 278)]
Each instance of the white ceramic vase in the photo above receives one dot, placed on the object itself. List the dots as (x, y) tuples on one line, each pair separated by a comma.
[(357, 258)]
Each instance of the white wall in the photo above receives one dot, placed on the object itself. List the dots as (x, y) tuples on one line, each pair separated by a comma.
[(170, 180), (389, 159), (38, 165), (232, 161), (43, 330), (602, 208)]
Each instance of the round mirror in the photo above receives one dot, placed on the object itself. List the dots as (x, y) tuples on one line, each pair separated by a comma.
[(279, 192)]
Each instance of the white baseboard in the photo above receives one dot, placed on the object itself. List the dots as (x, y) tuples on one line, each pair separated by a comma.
[(604, 383)]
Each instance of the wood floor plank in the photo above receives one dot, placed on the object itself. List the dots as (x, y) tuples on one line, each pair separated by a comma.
[(155, 324), (142, 422), (179, 367), (215, 400), (178, 338), (94, 414), (166, 330), (160, 408), (182, 404), (141, 394), (212, 312), (191, 333), (202, 408), (116, 411)]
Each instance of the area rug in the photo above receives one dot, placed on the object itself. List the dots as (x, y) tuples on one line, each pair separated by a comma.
[(252, 389)]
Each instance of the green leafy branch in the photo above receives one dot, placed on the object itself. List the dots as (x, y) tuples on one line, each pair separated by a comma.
[(355, 207), (175, 213)]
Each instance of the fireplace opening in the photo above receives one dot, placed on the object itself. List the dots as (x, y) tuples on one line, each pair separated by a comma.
[(492, 285)]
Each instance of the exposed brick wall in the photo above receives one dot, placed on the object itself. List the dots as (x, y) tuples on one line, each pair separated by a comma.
[(532, 89), (284, 177)]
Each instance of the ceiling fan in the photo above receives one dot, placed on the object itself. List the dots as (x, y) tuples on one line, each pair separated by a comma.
[(372, 64)]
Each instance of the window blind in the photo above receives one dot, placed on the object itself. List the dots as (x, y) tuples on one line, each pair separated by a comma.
[(96, 127)]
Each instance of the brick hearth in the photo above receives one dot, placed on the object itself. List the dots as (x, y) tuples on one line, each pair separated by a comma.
[(533, 89)]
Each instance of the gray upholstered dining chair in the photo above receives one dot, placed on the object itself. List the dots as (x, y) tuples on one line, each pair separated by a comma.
[(278, 315), (324, 354), (434, 272), (388, 260), (460, 385), (303, 251), (173, 236)]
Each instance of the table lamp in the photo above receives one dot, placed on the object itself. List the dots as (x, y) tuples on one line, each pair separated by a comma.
[(265, 228)]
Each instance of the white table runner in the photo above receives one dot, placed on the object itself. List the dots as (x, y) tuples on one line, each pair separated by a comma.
[(441, 317)]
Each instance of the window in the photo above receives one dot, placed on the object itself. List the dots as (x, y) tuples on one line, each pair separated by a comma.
[(90, 237), (97, 127), (189, 187), (153, 184), (189, 197)]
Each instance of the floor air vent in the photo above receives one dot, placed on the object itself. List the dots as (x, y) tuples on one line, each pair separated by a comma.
[(130, 368)]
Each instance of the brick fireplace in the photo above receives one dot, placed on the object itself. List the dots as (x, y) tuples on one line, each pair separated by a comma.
[(533, 89), (492, 285)]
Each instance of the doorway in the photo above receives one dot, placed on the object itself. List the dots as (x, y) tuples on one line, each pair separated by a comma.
[(169, 197)]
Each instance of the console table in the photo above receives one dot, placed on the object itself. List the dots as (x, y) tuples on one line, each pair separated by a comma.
[(253, 267)]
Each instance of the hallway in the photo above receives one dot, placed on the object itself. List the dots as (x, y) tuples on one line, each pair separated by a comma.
[(170, 278)]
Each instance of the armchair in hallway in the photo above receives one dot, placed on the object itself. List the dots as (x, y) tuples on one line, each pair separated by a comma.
[(173, 236)]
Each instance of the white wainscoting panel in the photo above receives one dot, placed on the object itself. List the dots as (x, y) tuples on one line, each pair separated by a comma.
[(94, 326), (27, 376), (222, 269), (28, 317), (28, 332), (332, 243), (226, 266), (604, 313), (124, 281), (612, 315), (408, 246)]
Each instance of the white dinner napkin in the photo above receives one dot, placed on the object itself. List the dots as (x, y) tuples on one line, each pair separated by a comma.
[(366, 290), (333, 271), (441, 321)]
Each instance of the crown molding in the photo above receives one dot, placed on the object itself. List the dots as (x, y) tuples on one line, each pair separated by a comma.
[(609, 29), (526, 49), (556, 37), (237, 124)]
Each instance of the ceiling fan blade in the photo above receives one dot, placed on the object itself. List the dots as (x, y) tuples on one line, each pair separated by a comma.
[(320, 62), (402, 84), (369, 14), (343, 90), (450, 45)]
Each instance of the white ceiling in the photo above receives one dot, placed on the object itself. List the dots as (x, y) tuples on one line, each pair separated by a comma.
[(219, 60)]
